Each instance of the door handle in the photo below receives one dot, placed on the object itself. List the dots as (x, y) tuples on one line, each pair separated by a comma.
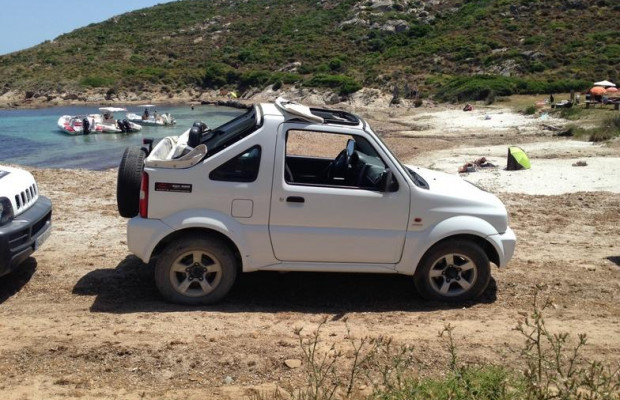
[(295, 199)]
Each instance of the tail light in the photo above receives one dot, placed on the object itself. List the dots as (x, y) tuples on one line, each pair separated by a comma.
[(144, 196)]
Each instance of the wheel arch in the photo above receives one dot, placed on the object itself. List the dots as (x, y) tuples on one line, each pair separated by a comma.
[(484, 244), (197, 232)]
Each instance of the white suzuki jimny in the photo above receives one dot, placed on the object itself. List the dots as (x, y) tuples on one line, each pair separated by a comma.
[(285, 187)]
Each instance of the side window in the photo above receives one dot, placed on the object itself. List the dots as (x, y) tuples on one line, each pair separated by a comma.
[(242, 168), (332, 159)]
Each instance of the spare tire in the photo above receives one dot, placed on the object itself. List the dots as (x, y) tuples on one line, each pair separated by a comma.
[(129, 181)]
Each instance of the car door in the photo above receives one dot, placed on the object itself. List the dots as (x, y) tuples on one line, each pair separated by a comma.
[(332, 221)]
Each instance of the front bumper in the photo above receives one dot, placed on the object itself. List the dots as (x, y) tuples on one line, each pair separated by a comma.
[(505, 245), (24, 234)]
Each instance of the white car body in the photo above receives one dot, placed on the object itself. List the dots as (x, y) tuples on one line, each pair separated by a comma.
[(335, 229)]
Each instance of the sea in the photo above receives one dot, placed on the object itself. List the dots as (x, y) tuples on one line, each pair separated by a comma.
[(31, 137)]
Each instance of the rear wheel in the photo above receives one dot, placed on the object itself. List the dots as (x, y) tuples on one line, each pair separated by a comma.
[(195, 271), (129, 180), (453, 271)]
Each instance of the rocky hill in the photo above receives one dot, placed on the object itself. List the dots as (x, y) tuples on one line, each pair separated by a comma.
[(508, 45)]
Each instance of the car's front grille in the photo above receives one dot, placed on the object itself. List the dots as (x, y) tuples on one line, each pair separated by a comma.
[(19, 238), (26, 197)]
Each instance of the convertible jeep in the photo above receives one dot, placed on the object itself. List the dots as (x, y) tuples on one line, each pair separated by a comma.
[(285, 187)]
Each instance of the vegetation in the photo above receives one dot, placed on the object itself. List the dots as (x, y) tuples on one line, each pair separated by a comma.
[(552, 367), (461, 50), (607, 129)]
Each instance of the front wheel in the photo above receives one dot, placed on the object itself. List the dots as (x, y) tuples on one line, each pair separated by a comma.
[(195, 271), (453, 271)]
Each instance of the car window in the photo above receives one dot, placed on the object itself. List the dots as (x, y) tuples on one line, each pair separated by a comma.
[(315, 144), (320, 158), (242, 168)]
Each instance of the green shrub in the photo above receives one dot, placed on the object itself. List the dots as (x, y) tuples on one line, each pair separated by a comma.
[(217, 75), (479, 87), (609, 129), (476, 88), (254, 79), (276, 86), (530, 110), (96, 81), (345, 84)]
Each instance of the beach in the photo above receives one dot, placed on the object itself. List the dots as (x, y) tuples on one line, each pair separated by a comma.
[(83, 318)]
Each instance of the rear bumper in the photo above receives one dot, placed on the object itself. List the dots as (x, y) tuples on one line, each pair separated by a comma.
[(144, 234), (22, 236)]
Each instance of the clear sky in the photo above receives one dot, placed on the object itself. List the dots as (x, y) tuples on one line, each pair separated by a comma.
[(26, 23)]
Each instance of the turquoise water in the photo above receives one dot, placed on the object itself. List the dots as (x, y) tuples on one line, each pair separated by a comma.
[(32, 137)]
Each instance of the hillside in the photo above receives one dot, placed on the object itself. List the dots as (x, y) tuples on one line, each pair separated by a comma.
[(533, 45)]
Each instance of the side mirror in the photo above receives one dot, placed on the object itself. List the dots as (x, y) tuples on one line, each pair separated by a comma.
[(387, 183)]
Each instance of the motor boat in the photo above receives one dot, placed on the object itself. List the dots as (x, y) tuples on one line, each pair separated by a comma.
[(111, 125), (97, 123), (78, 124), (150, 117)]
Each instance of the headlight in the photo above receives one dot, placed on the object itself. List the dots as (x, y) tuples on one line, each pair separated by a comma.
[(6, 210)]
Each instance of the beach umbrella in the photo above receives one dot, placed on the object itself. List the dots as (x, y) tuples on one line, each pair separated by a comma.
[(517, 159), (612, 90), (597, 90), (604, 83)]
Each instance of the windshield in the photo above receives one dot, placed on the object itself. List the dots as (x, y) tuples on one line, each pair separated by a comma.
[(414, 176)]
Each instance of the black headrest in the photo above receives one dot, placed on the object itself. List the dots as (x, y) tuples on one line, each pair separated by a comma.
[(201, 125), (195, 135)]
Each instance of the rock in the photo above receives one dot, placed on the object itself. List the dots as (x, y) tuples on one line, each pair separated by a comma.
[(292, 67), (228, 380), (292, 363), (397, 25)]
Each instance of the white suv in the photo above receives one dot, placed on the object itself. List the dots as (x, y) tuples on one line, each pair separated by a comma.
[(285, 187), (25, 217)]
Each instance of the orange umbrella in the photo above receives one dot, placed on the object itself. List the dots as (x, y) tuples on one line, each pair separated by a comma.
[(597, 90), (612, 90)]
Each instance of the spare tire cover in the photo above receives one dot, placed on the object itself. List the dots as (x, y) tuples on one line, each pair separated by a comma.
[(129, 181)]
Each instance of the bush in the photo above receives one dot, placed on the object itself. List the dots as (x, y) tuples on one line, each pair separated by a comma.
[(345, 84), (276, 86), (531, 110), (477, 88), (96, 81), (218, 75), (480, 87)]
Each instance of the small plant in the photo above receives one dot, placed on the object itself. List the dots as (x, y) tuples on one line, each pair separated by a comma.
[(531, 110), (555, 369)]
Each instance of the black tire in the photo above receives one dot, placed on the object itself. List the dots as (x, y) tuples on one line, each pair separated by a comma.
[(453, 271), (195, 271), (129, 181)]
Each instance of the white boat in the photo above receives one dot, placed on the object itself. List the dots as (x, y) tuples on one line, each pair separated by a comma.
[(97, 123), (111, 125), (78, 124), (151, 117)]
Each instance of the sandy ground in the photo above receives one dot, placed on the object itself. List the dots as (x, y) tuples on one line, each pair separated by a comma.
[(83, 319)]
